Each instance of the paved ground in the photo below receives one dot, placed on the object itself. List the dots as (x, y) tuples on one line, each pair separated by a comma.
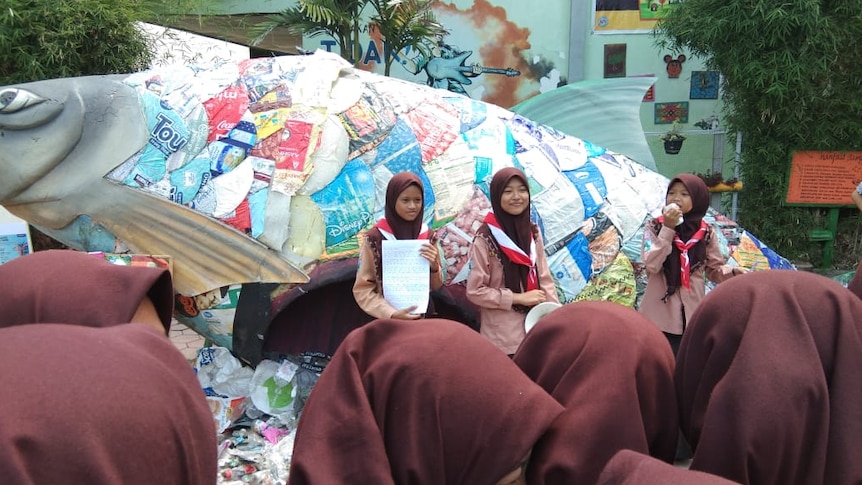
[(186, 340)]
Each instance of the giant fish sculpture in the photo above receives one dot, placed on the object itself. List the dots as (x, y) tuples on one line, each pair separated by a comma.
[(259, 178)]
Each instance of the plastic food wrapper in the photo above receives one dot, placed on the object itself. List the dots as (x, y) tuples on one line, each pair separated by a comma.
[(226, 411), (756, 256), (615, 283), (225, 382), (150, 261), (571, 266), (273, 388)]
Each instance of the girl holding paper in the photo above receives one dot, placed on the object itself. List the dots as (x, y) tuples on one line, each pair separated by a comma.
[(403, 215), (508, 269)]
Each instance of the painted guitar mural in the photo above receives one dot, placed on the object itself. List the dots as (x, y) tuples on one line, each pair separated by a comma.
[(453, 69)]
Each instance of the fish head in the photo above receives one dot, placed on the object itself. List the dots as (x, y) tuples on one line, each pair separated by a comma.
[(59, 136)]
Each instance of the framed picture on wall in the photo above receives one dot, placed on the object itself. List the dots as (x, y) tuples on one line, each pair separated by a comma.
[(615, 60), (667, 113), (704, 85)]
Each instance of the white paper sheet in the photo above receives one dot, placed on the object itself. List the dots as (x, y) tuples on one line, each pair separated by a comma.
[(406, 274)]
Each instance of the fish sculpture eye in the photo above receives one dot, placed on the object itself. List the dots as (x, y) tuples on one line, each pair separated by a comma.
[(13, 100)]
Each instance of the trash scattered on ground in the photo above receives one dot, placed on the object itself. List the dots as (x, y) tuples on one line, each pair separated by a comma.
[(255, 411)]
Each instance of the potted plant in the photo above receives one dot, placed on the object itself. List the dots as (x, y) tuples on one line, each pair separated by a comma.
[(673, 139)]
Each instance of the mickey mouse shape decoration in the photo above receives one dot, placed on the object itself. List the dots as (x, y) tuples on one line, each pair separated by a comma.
[(674, 66)]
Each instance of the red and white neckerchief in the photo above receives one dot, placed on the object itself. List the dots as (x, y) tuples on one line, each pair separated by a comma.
[(513, 252), (684, 261), (387, 232)]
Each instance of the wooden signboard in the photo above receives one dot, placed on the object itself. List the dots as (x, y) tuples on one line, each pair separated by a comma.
[(823, 178)]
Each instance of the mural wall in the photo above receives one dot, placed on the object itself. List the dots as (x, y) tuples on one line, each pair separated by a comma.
[(494, 53)]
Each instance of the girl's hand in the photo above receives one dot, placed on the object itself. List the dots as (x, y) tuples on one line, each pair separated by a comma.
[(672, 216), (740, 270), (530, 298), (429, 252), (404, 314)]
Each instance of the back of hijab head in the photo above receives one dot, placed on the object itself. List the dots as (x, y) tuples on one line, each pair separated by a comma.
[(403, 229), (768, 380), (434, 403), (77, 288), (101, 406), (612, 369), (631, 468)]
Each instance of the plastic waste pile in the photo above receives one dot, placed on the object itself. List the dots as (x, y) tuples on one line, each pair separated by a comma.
[(255, 411)]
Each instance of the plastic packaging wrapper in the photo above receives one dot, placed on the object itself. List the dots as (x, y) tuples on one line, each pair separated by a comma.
[(273, 388)]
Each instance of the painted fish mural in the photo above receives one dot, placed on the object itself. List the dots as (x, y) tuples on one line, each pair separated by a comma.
[(259, 179)]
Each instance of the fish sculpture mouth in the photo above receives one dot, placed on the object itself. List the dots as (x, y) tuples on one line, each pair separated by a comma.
[(27, 120)]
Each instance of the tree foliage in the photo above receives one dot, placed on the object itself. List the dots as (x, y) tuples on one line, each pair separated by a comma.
[(64, 38), (339, 19), (791, 82), (42, 40), (401, 24)]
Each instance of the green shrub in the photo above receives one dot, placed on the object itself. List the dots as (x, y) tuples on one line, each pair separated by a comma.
[(792, 78), (42, 39)]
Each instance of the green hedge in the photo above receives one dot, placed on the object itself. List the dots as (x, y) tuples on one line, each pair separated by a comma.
[(792, 80)]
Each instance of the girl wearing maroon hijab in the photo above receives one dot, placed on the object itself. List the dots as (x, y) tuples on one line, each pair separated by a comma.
[(436, 404), (508, 268), (86, 397), (613, 372), (678, 248), (403, 219), (768, 381), (101, 406), (77, 288)]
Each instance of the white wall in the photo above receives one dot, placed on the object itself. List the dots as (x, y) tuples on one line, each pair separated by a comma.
[(181, 47)]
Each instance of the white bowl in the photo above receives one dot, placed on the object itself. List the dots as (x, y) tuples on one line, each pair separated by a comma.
[(537, 312)]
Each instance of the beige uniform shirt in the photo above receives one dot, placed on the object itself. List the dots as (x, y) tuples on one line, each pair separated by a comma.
[(669, 315), (498, 322)]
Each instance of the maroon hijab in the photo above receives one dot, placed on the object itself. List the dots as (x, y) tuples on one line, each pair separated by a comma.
[(402, 229), (768, 378), (101, 406), (630, 468), (699, 193), (77, 288), (518, 228), (612, 369), (418, 403)]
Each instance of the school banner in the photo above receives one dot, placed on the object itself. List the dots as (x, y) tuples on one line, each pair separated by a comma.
[(630, 16)]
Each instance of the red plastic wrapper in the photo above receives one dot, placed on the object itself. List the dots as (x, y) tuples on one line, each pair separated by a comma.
[(240, 219), (225, 110)]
